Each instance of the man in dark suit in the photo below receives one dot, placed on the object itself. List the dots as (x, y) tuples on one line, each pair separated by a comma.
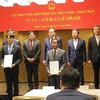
[(16, 42), (55, 54), (94, 53), (11, 73), (69, 83), (32, 50), (76, 53), (47, 45)]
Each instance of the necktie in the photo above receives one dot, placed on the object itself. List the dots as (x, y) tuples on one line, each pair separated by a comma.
[(54, 54), (30, 45), (9, 50)]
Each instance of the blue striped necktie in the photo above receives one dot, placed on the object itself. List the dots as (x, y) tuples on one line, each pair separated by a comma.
[(9, 50)]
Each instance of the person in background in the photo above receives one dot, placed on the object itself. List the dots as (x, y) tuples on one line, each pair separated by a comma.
[(31, 52), (11, 73), (55, 54), (48, 46), (76, 53), (94, 53), (16, 42), (69, 83)]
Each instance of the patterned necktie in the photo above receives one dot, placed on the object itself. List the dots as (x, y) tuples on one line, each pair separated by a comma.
[(54, 54), (9, 50), (30, 45)]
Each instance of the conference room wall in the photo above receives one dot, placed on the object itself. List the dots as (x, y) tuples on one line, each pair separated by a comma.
[(41, 35)]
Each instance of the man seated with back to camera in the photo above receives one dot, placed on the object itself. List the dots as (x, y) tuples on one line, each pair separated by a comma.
[(69, 83)]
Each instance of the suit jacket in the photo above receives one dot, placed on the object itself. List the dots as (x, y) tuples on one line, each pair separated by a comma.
[(17, 57), (79, 53), (60, 56), (47, 46), (93, 49), (69, 94), (16, 42), (34, 53)]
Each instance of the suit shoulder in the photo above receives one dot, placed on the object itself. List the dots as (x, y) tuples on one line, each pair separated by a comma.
[(81, 39), (16, 40), (52, 96), (4, 41), (58, 37), (86, 96), (46, 39), (4, 46), (17, 46), (49, 51), (26, 41), (61, 50), (91, 37), (37, 40), (69, 40)]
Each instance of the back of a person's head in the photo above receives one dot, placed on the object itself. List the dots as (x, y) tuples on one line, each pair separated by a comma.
[(70, 78)]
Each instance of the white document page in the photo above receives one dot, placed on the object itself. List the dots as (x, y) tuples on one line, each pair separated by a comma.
[(54, 67), (8, 61)]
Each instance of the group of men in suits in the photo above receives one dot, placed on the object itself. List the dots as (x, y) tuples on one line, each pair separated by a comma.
[(76, 52), (31, 52), (75, 57)]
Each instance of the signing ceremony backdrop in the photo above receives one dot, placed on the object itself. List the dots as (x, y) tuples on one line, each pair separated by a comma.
[(42, 14)]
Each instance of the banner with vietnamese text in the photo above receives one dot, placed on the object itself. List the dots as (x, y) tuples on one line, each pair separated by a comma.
[(24, 15)]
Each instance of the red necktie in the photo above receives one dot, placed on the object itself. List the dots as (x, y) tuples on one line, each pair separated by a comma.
[(30, 45)]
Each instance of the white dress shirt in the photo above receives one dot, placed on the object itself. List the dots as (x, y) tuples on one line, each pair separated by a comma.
[(75, 42), (97, 39)]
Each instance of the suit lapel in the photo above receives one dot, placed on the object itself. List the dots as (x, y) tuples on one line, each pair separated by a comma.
[(49, 44), (94, 39), (13, 48), (57, 53), (27, 45), (79, 43), (6, 49), (72, 44), (34, 44)]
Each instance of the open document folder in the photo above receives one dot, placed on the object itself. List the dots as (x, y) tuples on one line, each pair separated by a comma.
[(54, 67), (8, 61)]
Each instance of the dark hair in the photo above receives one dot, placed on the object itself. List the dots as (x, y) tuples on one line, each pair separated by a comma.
[(11, 30), (56, 40), (30, 32), (10, 35), (96, 26), (75, 30), (53, 29), (70, 78)]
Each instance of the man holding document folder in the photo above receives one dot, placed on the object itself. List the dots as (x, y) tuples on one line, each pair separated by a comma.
[(55, 63), (11, 57)]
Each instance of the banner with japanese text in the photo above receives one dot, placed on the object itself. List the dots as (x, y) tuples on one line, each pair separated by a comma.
[(24, 15)]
